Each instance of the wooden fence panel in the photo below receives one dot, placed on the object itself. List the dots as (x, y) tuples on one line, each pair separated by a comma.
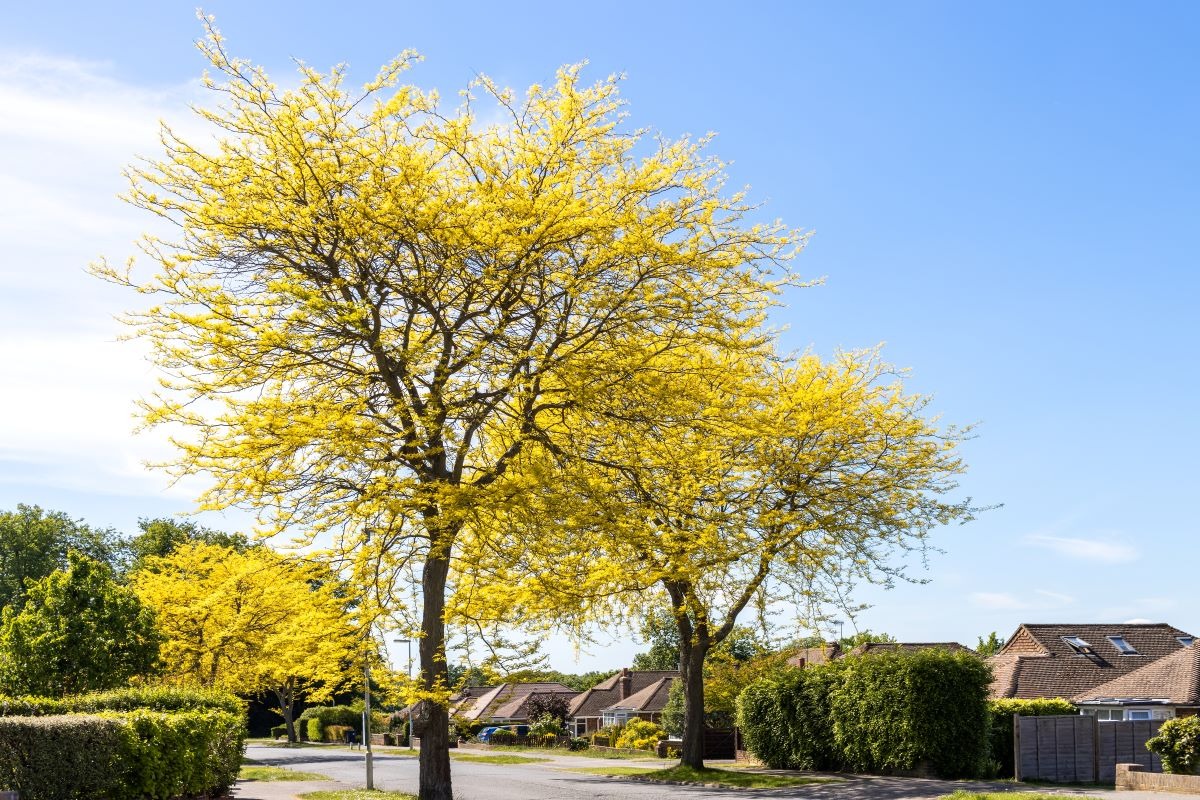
[(1080, 749)]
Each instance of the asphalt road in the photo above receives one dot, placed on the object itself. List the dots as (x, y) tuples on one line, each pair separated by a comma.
[(551, 780)]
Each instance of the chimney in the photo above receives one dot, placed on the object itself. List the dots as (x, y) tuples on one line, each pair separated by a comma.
[(625, 683), (834, 650)]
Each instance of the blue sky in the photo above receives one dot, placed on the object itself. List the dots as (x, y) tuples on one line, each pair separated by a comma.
[(1004, 193)]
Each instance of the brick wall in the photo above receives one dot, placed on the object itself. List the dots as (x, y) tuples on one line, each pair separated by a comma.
[(1133, 778)]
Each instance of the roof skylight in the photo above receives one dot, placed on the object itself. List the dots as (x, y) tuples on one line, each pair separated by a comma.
[(1125, 647), (1077, 644), (1186, 641)]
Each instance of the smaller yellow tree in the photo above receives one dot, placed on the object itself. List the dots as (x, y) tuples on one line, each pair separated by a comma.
[(250, 622)]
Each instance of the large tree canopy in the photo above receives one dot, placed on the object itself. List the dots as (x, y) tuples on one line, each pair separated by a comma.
[(78, 631), (34, 543), (372, 306), (250, 622)]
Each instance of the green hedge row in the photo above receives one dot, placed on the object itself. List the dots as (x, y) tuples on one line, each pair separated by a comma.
[(1000, 730), (158, 698), (316, 719), (893, 712), (118, 755)]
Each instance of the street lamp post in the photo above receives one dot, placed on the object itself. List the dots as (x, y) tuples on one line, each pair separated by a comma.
[(408, 674), (366, 727)]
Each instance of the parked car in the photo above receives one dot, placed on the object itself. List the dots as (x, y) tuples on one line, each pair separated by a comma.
[(485, 735)]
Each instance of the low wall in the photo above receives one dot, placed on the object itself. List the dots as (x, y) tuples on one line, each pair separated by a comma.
[(1134, 778)]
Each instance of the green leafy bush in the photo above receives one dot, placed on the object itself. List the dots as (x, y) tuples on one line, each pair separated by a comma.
[(143, 754), (1000, 727), (336, 733), (317, 718), (578, 743), (785, 720), (885, 713), (279, 731), (546, 725), (640, 734), (1178, 745)]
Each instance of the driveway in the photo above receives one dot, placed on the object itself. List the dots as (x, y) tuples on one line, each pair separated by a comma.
[(552, 780)]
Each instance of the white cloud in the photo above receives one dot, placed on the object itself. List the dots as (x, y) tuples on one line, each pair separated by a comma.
[(1109, 552), (66, 412)]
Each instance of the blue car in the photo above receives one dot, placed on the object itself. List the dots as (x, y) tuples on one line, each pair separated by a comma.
[(485, 735)]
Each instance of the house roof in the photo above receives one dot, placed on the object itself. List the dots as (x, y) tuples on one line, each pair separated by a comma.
[(1039, 661), (1174, 679), (608, 692), (872, 648), (815, 656), (507, 700), (650, 700)]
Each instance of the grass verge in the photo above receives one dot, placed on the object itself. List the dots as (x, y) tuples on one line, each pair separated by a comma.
[(502, 758), (716, 777), (262, 772), (589, 753), (357, 794)]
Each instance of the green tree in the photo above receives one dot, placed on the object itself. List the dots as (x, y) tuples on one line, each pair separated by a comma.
[(34, 543), (79, 631), (990, 645), (160, 536)]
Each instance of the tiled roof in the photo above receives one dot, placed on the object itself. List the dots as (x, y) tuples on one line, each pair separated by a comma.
[(1037, 661), (815, 656), (608, 692), (490, 703), (1174, 678), (650, 700)]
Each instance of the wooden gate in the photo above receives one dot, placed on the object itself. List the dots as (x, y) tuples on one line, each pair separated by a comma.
[(1079, 748)]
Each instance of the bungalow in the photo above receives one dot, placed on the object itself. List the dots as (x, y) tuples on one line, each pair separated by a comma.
[(506, 703), (1070, 661), (621, 697)]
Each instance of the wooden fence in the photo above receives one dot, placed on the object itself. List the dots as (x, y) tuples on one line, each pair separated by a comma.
[(1079, 748)]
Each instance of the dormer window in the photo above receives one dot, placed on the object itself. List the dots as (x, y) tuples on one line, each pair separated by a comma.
[(1186, 641), (1125, 647), (1078, 645)]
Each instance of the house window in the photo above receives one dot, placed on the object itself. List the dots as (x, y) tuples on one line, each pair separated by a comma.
[(1077, 644), (1139, 715), (1105, 714), (1186, 641), (1125, 647), (615, 718)]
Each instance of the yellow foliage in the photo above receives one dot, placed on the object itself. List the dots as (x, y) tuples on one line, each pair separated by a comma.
[(249, 622)]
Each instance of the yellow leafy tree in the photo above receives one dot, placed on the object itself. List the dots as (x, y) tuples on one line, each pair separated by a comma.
[(754, 481), (250, 622), (371, 306)]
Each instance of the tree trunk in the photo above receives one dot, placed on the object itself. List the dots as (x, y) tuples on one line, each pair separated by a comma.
[(287, 709), (691, 665), (435, 733)]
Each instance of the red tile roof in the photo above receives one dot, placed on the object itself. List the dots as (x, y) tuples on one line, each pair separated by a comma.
[(608, 692)]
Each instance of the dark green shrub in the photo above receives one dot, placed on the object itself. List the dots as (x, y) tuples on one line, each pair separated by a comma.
[(897, 712), (502, 736), (578, 743), (336, 733), (785, 720), (279, 731), (1178, 745), (1000, 727), (143, 754)]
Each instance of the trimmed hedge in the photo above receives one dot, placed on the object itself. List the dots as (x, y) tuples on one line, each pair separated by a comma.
[(786, 721), (893, 712), (114, 756), (1000, 727), (157, 698)]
